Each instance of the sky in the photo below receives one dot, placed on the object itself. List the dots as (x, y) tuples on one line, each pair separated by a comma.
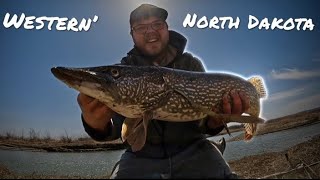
[(31, 98)]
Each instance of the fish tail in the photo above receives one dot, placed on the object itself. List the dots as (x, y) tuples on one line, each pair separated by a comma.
[(257, 82)]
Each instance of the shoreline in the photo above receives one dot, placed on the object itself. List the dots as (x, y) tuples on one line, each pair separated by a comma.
[(303, 161), (300, 119), (299, 162), (89, 145), (260, 133), (55, 146)]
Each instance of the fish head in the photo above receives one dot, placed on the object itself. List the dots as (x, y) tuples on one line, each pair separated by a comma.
[(92, 81), (116, 84)]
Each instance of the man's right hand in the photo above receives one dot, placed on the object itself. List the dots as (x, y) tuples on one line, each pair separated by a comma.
[(95, 114)]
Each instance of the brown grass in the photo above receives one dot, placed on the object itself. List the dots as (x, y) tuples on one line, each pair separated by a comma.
[(259, 166), (61, 146)]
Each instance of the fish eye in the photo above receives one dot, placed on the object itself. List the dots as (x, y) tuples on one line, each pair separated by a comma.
[(115, 73)]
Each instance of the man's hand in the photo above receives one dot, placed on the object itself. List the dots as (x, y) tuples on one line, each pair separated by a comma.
[(96, 114), (238, 105)]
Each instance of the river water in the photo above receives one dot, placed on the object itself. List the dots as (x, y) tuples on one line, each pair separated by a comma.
[(96, 164)]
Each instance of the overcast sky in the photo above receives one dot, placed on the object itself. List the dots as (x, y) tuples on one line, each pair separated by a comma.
[(289, 61)]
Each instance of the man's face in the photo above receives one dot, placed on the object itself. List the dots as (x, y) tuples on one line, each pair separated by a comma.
[(150, 35)]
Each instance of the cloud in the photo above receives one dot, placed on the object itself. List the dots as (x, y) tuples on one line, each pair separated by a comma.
[(286, 94), (294, 74)]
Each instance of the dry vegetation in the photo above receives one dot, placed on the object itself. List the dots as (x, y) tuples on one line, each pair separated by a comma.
[(299, 162), (35, 142), (304, 157), (282, 165)]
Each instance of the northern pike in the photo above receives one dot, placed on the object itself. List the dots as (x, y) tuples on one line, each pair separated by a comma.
[(142, 93)]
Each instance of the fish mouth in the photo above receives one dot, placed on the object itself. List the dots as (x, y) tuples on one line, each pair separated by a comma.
[(75, 76), (87, 81)]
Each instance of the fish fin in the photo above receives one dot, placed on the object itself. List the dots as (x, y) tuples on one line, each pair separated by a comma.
[(226, 118), (128, 127), (250, 130), (257, 82), (250, 123), (243, 119), (138, 139), (134, 139)]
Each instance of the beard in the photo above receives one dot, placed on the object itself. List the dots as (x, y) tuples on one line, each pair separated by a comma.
[(152, 44), (154, 49)]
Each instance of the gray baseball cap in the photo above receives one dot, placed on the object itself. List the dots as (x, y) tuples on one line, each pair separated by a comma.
[(147, 10)]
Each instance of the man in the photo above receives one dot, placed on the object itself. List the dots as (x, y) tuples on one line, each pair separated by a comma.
[(172, 149)]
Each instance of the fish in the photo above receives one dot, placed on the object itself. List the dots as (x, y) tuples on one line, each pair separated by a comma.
[(142, 93)]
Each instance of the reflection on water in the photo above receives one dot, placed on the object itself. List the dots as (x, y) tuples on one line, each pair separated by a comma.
[(89, 164), (93, 164)]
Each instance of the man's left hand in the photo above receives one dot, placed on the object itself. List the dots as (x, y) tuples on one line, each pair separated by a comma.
[(238, 105)]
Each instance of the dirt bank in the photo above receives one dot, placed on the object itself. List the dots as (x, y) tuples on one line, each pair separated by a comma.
[(262, 166)]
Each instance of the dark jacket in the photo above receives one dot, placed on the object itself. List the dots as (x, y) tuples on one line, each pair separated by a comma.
[(163, 138)]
